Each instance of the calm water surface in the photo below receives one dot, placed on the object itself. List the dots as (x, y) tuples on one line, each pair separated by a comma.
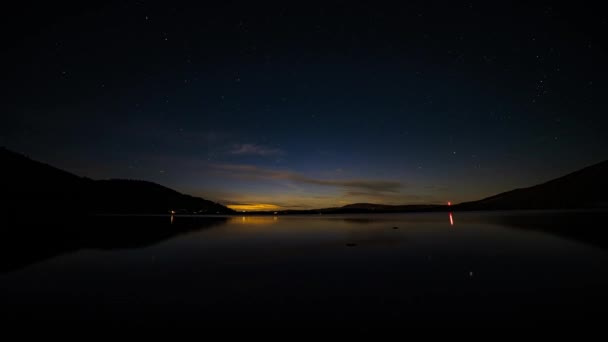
[(360, 270)]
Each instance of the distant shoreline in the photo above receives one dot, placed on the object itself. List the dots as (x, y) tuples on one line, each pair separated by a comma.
[(271, 214)]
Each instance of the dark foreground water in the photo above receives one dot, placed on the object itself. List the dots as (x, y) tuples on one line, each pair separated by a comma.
[(398, 270)]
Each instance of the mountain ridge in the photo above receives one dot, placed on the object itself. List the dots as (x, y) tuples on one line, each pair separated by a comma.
[(581, 189), (31, 187)]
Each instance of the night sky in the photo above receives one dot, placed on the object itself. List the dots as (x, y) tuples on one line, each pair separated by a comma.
[(307, 106)]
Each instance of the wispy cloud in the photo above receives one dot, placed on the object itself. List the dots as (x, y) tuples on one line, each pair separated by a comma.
[(254, 172), (255, 150)]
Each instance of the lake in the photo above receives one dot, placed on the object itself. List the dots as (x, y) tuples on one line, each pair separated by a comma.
[(398, 270)]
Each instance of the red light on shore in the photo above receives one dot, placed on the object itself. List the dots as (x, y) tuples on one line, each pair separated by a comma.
[(449, 204)]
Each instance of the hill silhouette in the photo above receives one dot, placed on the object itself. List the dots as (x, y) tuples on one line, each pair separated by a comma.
[(31, 188), (391, 208), (134, 196), (583, 189)]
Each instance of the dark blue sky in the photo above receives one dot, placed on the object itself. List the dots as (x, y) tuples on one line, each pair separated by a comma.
[(309, 106)]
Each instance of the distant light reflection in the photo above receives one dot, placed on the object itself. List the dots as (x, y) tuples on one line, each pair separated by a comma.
[(451, 219), (256, 220)]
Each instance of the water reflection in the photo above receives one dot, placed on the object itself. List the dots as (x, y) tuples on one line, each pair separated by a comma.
[(581, 226), (254, 220), (22, 245), (360, 220), (294, 269)]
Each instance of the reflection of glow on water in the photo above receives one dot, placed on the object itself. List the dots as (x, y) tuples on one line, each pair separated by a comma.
[(255, 220), (451, 219), (171, 219)]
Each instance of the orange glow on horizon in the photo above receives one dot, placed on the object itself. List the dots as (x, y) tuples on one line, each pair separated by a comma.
[(254, 207)]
